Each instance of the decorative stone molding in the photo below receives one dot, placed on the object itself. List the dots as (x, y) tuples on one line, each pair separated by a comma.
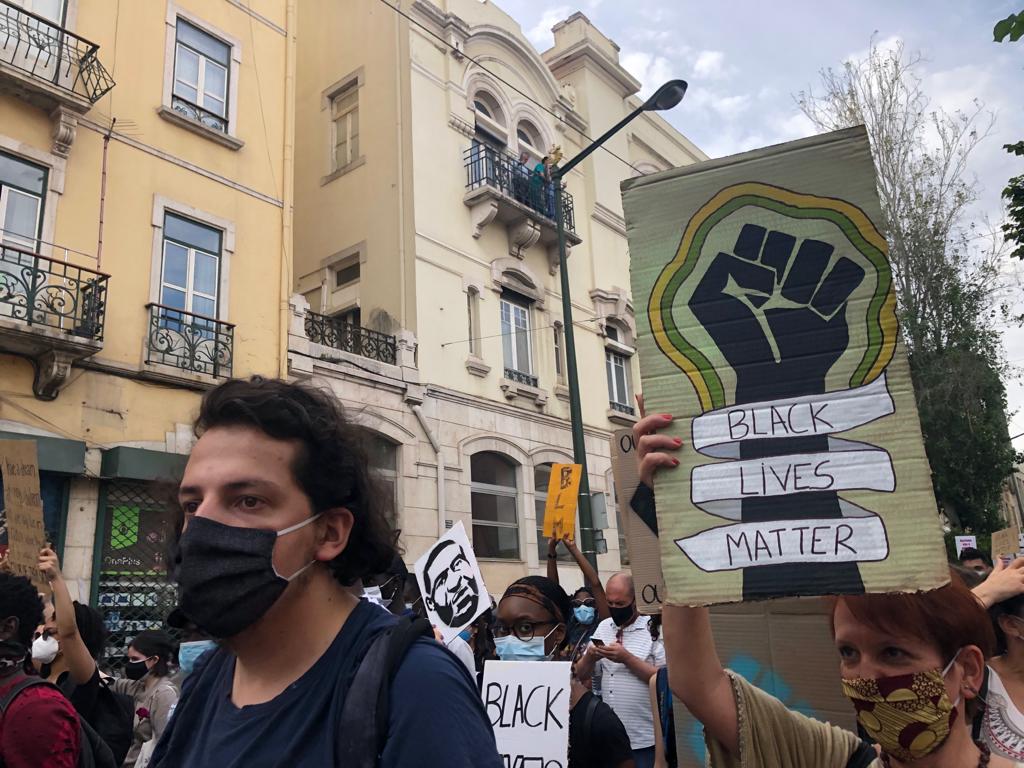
[(482, 213), (623, 419), (477, 367), (65, 126), (52, 371), (461, 126), (562, 392), (521, 236), (615, 304), (609, 218), (513, 389), (553, 257)]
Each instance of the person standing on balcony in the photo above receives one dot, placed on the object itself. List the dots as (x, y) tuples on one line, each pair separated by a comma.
[(539, 183), (521, 179)]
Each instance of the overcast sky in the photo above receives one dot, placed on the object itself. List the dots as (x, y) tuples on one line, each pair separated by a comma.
[(744, 62)]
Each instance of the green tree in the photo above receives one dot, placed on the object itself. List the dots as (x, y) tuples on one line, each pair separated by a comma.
[(1012, 28), (948, 288)]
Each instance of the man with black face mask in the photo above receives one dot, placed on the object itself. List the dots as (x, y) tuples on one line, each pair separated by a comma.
[(629, 656), (281, 515)]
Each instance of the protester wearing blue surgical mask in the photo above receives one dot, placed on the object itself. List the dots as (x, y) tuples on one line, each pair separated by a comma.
[(589, 603), (531, 625)]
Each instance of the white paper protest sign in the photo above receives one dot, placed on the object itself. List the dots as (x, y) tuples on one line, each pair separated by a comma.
[(527, 703), (452, 585), (965, 542)]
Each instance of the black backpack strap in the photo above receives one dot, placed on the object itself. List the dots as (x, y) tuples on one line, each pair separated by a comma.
[(863, 756), (363, 729), (588, 718)]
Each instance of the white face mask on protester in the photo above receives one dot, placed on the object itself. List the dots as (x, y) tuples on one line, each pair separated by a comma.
[(45, 649)]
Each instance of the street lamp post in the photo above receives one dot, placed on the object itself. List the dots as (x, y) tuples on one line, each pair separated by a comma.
[(666, 97)]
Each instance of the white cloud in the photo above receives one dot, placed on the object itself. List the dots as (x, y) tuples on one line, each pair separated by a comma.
[(650, 70), (885, 45), (710, 65), (540, 34)]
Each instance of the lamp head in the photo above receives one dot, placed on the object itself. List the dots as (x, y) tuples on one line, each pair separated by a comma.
[(666, 97)]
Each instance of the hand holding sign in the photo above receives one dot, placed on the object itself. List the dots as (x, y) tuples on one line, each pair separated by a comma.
[(452, 585)]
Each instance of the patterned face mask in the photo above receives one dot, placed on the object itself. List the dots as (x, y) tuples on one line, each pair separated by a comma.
[(910, 716)]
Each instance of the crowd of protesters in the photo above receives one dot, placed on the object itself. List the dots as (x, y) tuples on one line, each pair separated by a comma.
[(272, 659)]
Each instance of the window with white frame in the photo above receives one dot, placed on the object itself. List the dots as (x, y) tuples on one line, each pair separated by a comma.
[(617, 369), (190, 272), (529, 138), (22, 190), (515, 333), (345, 122), (473, 319), (202, 71), (494, 501), (559, 340)]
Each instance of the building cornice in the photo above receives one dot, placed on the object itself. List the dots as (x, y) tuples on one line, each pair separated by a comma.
[(584, 53)]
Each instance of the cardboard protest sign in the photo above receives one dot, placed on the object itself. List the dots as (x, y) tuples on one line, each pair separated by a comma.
[(23, 507), (784, 647), (641, 529), (452, 585), (767, 327), (965, 542), (563, 496), (1006, 542), (527, 703)]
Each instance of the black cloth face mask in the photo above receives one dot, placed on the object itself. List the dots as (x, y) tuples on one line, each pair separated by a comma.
[(227, 576), (621, 616)]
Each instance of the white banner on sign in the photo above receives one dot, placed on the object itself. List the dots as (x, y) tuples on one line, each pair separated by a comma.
[(827, 540), (965, 542), (869, 469), (451, 583), (824, 414), (527, 703)]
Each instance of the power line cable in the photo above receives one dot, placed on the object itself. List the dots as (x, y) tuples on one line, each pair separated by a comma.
[(578, 323), (500, 79)]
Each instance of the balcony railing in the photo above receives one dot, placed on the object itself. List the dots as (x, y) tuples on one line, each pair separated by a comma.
[(188, 341), (336, 333), (43, 49), (621, 408), (52, 294), (486, 166), (519, 377), (197, 113)]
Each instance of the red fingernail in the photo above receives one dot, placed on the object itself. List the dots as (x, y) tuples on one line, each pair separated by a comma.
[(675, 462), (677, 441), (667, 416)]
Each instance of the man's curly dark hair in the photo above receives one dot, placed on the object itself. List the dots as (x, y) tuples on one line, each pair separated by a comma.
[(331, 463), (20, 598)]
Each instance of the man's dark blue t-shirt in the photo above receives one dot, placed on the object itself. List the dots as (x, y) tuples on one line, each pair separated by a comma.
[(436, 718)]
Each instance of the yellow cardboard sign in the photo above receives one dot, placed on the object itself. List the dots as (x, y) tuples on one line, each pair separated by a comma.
[(563, 495), (1005, 542), (23, 507)]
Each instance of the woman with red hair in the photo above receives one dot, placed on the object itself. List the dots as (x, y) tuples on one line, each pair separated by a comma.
[(911, 665)]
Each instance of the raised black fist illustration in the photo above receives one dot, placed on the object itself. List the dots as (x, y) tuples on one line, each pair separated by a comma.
[(777, 312)]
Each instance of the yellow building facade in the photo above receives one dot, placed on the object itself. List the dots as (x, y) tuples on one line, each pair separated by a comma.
[(426, 263), (145, 207)]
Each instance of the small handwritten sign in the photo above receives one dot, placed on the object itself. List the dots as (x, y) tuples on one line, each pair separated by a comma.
[(527, 703), (23, 506)]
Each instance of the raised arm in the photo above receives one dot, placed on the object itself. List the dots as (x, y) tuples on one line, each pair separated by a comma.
[(553, 559), (695, 672), (1004, 582), (591, 577), (80, 662)]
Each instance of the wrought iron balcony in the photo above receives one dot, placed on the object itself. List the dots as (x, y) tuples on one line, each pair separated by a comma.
[(489, 167), (52, 294), (188, 341), (36, 51), (193, 112), (519, 377), (336, 333), (622, 408)]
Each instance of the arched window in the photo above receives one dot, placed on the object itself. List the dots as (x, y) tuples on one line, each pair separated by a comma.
[(541, 478), (383, 456), (529, 138), (490, 118), (494, 502)]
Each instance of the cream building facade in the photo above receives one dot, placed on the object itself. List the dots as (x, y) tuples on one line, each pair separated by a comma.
[(427, 286), (145, 203)]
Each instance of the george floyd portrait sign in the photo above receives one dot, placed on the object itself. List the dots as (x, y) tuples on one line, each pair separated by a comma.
[(451, 583), (767, 327)]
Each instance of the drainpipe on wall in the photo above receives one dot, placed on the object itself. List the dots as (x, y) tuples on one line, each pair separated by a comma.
[(440, 468), (287, 188)]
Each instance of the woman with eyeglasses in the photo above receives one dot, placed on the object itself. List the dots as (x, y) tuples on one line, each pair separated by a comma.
[(589, 603), (1001, 724), (531, 624)]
